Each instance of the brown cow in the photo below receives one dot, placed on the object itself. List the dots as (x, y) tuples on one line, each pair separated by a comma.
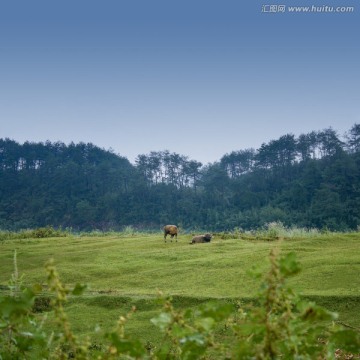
[(171, 230), (201, 239)]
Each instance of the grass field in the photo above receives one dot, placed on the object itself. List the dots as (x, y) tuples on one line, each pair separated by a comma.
[(124, 271)]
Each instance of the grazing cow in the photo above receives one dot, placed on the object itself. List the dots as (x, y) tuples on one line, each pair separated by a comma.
[(201, 239), (171, 230)]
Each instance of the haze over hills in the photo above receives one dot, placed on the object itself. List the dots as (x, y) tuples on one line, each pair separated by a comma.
[(309, 181)]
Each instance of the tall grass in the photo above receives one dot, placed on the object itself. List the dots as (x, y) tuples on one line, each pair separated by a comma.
[(270, 231), (49, 232), (278, 230), (273, 231), (126, 231), (43, 232)]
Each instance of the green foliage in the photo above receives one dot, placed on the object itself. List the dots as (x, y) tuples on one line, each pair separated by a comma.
[(279, 324), (19, 332), (311, 182)]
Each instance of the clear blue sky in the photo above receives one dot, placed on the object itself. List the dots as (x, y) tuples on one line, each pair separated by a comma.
[(199, 77)]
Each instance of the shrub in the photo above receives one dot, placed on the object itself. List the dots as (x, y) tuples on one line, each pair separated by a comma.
[(44, 232)]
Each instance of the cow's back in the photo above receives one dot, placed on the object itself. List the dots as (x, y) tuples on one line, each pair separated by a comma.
[(170, 229)]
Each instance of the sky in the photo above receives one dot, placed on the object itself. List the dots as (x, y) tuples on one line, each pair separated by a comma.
[(200, 78)]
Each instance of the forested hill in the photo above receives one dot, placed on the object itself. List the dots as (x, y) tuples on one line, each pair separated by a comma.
[(309, 181)]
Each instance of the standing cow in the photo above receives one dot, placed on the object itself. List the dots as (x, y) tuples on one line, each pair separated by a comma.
[(171, 230), (201, 239)]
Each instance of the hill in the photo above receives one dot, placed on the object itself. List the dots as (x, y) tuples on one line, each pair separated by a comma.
[(309, 181)]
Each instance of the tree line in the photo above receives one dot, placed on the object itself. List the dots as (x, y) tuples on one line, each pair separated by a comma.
[(312, 180)]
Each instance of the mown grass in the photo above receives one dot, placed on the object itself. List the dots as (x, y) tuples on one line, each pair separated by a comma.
[(124, 271)]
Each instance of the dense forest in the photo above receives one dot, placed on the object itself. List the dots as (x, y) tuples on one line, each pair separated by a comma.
[(309, 181)]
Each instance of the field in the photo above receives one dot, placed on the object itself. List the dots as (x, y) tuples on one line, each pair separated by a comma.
[(122, 271)]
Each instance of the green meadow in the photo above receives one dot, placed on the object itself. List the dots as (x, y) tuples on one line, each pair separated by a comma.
[(124, 271)]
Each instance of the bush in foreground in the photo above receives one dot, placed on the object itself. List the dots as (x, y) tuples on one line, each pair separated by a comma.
[(279, 324)]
